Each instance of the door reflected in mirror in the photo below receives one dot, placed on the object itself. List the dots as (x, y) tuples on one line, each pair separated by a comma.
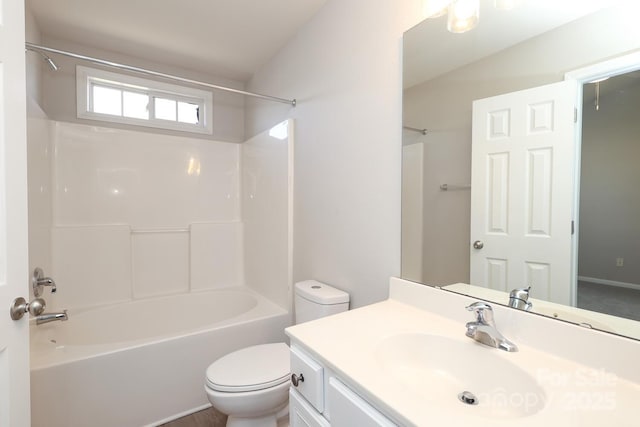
[(482, 206)]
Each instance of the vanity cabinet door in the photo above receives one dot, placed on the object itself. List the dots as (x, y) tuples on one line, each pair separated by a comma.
[(301, 414), (348, 409)]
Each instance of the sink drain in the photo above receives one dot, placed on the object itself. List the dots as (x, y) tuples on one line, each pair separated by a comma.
[(468, 398)]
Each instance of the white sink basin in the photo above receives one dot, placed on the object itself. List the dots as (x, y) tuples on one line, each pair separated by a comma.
[(440, 368)]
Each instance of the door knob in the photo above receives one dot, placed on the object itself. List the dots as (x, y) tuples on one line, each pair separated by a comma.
[(478, 244), (20, 306)]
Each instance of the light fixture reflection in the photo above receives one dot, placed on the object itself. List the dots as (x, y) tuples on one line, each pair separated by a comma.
[(434, 8), (194, 167), (463, 15), (506, 4)]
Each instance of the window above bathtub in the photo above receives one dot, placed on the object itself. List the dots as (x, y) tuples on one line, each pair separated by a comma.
[(120, 98)]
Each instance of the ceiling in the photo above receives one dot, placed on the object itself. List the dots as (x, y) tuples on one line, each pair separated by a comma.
[(225, 38)]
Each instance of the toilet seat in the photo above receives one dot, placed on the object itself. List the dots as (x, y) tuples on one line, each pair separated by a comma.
[(249, 369)]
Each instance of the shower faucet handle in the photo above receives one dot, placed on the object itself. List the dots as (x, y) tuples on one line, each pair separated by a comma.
[(38, 281)]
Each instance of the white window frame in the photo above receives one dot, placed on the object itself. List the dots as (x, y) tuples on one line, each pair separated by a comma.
[(87, 77)]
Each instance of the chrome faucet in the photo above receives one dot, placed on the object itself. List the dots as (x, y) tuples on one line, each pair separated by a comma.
[(51, 317), (484, 329), (519, 298)]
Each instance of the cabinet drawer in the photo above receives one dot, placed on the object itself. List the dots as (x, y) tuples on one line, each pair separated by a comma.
[(311, 384), (301, 414)]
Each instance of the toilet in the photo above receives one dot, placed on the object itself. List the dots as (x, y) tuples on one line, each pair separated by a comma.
[(251, 385)]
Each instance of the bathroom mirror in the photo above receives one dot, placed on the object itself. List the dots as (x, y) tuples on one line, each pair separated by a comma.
[(533, 45)]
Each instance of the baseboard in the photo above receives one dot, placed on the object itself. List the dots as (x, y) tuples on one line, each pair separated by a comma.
[(609, 282)]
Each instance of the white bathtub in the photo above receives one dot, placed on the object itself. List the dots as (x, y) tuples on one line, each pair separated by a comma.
[(142, 362)]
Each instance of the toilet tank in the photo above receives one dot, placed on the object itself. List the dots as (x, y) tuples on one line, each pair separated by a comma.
[(314, 300)]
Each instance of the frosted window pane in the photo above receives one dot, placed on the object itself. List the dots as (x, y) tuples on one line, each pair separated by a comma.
[(188, 113), (165, 109), (107, 100), (135, 105)]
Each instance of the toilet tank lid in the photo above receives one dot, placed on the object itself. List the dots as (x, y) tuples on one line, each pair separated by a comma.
[(320, 293)]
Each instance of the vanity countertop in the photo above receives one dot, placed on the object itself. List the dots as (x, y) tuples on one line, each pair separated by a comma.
[(359, 346)]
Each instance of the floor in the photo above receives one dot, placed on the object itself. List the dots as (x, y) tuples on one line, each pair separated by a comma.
[(614, 300), (207, 418)]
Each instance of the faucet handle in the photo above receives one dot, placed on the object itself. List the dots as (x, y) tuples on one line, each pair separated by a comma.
[(482, 310), (520, 293), (479, 305), (519, 298), (38, 281)]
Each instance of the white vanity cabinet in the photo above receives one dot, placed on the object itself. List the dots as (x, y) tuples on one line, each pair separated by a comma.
[(318, 398), (301, 414), (348, 409)]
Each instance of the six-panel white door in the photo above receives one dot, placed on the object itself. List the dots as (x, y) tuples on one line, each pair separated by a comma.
[(14, 277), (523, 160)]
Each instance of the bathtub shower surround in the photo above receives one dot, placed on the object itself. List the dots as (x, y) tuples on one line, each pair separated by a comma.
[(181, 243), (267, 212), (39, 153), (126, 206), (144, 215)]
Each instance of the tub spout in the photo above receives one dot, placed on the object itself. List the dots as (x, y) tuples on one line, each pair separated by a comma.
[(51, 317)]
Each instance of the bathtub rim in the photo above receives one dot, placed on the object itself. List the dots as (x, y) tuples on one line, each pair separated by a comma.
[(44, 355)]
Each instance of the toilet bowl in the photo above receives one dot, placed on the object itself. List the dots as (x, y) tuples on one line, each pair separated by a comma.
[(251, 385)]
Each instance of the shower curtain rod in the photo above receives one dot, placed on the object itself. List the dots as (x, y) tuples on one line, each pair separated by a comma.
[(422, 131), (40, 49)]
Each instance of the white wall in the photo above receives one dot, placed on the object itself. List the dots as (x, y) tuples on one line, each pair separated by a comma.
[(443, 105), (55, 91), (344, 68), (34, 63), (59, 91)]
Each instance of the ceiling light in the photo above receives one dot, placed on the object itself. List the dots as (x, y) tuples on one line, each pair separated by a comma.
[(463, 15)]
